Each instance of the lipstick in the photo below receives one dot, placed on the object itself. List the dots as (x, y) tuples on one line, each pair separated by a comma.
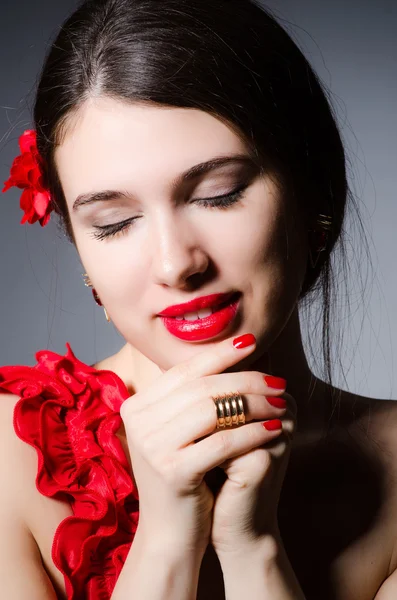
[(224, 308), (178, 310)]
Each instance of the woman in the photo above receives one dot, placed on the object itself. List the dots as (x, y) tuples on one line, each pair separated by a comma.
[(194, 159)]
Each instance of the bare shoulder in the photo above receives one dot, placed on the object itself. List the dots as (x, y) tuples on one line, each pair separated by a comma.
[(367, 429), (18, 462), (12, 446), (377, 418), (372, 423), (381, 433), (19, 552), (14, 451)]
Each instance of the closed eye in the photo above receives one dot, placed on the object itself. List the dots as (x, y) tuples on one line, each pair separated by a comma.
[(221, 202)]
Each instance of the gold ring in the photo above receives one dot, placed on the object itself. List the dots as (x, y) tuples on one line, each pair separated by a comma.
[(229, 410)]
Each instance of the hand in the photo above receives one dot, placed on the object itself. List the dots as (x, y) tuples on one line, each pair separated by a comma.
[(173, 441), (245, 510)]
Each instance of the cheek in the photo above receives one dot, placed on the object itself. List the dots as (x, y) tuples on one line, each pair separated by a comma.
[(251, 242), (118, 272), (268, 255)]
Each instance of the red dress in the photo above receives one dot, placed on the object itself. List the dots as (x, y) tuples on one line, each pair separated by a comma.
[(69, 412)]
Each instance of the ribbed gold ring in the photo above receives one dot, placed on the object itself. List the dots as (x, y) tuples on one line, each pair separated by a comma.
[(229, 410)]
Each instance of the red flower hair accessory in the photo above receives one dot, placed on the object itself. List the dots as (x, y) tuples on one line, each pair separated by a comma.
[(26, 174)]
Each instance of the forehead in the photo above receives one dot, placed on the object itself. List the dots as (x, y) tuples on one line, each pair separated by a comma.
[(111, 142)]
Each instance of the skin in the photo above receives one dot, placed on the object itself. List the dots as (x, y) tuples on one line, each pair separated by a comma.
[(178, 250), (140, 272)]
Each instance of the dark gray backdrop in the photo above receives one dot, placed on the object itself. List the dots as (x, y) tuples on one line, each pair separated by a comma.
[(353, 46)]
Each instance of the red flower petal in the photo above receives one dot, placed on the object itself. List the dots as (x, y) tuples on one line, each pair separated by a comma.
[(33, 176), (27, 141), (45, 219), (26, 174), (26, 204), (41, 202), (8, 184), (19, 168)]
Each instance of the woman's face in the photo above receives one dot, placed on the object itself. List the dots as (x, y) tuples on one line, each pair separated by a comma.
[(174, 247)]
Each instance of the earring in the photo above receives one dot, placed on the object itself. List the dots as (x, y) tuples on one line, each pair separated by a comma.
[(87, 283), (318, 238)]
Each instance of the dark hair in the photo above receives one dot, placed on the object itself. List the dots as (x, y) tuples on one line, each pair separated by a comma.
[(230, 58)]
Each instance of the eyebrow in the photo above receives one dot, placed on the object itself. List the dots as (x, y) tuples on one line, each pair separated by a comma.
[(190, 174)]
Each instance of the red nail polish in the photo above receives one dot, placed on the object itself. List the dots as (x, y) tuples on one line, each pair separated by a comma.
[(272, 425), (277, 383), (244, 341), (277, 402)]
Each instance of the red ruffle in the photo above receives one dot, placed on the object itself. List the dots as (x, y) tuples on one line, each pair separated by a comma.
[(69, 412)]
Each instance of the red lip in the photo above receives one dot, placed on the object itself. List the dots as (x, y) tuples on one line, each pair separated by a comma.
[(206, 328), (178, 310)]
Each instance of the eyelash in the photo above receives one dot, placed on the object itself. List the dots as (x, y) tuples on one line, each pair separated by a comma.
[(220, 202)]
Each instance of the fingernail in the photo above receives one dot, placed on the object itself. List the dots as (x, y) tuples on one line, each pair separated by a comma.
[(272, 425), (277, 383), (244, 341), (277, 402)]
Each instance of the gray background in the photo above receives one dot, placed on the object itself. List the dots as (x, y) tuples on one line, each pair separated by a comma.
[(353, 46)]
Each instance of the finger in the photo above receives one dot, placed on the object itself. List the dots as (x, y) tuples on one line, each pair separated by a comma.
[(283, 443), (278, 447), (220, 357), (201, 420), (215, 449), (290, 417), (292, 405), (204, 391), (212, 361)]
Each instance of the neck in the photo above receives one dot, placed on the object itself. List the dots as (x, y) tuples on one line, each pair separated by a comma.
[(286, 358)]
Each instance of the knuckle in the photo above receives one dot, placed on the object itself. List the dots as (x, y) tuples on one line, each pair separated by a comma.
[(125, 409), (168, 470), (147, 445), (205, 414), (206, 400), (204, 387), (259, 460), (129, 408), (278, 448), (257, 381), (249, 382), (289, 426), (263, 462), (172, 471), (292, 405), (222, 444), (252, 382), (253, 435), (178, 475), (219, 351), (289, 429), (184, 371), (135, 424)]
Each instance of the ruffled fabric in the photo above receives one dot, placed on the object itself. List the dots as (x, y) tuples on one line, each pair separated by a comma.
[(69, 412)]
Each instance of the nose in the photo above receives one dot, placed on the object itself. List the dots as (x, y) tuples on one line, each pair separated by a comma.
[(176, 253)]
